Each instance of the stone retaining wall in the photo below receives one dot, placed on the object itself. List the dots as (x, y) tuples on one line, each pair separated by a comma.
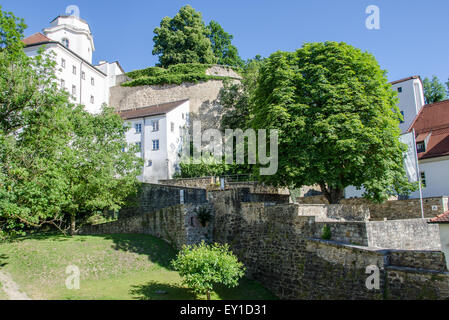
[(154, 197), (391, 210), (178, 225)]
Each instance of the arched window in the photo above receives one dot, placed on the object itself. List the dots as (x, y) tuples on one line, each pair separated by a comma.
[(65, 42)]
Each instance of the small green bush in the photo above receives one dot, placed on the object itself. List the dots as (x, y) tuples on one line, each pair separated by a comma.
[(326, 233), (203, 215), (203, 267)]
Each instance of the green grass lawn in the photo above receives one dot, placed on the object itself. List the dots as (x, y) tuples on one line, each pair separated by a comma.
[(123, 267)]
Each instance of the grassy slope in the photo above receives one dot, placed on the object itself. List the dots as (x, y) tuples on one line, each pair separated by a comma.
[(112, 267)]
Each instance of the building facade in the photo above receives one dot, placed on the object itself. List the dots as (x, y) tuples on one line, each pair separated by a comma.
[(432, 143), (71, 41), (158, 131)]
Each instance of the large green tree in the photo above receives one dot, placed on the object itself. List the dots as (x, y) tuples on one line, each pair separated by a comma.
[(224, 51), (434, 90), (183, 39), (337, 118), (56, 160)]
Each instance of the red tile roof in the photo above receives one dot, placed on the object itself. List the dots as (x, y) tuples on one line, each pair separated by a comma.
[(150, 111), (443, 218), (36, 38), (433, 119), (405, 79)]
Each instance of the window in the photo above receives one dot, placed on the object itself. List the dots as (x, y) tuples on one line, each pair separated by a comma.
[(63, 83), (74, 70), (423, 179), (400, 89), (150, 163), (74, 90), (402, 121), (138, 128), (156, 125), (65, 42), (83, 75), (155, 145), (92, 81), (183, 116), (421, 147), (139, 146), (172, 127), (63, 63), (92, 99)]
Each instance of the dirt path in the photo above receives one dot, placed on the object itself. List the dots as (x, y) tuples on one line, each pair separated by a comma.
[(11, 288)]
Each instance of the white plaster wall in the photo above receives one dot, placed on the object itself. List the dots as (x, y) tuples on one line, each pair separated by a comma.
[(84, 88), (76, 31), (437, 177), (444, 236), (179, 117), (411, 100)]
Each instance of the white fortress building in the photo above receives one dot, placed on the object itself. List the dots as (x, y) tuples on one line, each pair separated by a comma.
[(411, 99), (71, 40)]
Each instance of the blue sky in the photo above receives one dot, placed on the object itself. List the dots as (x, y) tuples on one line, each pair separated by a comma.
[(412, 39)]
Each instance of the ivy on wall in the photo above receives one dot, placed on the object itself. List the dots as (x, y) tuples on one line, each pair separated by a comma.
[(175, 74)]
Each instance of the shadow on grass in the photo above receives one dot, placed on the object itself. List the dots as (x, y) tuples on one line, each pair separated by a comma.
[(161, 291), (157, 250), (3, 258)]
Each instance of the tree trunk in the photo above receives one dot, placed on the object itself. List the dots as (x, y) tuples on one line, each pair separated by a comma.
[(333, 195), (72, 224), (208, 295)]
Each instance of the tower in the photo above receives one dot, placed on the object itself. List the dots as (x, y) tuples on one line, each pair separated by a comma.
[(74, 33)]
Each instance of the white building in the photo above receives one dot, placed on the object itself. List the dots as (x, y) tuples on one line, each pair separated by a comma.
[(71, 40), (411, 99), (432, 139), (158, 132)]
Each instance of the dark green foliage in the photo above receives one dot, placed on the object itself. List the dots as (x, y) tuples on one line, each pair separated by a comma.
[(434, 90), (326, 233), (226, 53), (183, 39), (203, 215), (175, 74), (337, 118)]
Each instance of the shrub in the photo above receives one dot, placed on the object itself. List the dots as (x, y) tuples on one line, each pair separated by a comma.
[(203, 267), (203, 215), (326, 233)]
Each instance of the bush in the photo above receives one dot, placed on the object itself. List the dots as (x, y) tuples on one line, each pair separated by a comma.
[(326, 233), (203, 267), (203, 215)]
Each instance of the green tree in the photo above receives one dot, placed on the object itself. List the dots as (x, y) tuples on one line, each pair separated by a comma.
[(56, 160), (183, 39), (337, 119), (434, 90), (203, 267), (224, 51)]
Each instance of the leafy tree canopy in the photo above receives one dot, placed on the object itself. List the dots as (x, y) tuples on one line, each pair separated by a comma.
[(57, 162), (183, 39), (222, 47), (337, 118), (434, 90)]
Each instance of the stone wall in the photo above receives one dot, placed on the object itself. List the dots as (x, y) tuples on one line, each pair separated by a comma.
[(391, 210), (203, 183), (203, 96), (412, 234), (154, 197), (277, 246), (335, 212), (178, 225)]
